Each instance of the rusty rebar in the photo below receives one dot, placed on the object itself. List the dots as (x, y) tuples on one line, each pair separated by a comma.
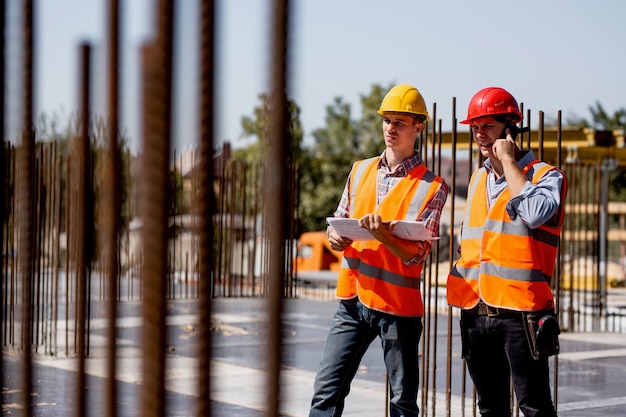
[(451, 194), (111, 199), (25, 213), (557, 271), (275, 190), (83, 235), (540, 136), (207, 203), (4, 195), (155, 198)]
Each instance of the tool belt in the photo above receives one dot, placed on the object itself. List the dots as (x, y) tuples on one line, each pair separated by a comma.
[(541, 328), (483, 309), (542, 332)]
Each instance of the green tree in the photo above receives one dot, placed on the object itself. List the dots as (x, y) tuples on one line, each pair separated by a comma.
[(601, 120), (322, 167), (258, 125), (370, 141), (178, 204), (252, 160), (326, 164)]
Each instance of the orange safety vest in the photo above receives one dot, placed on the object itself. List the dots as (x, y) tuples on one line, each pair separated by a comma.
[(503, 261), (381, 280)]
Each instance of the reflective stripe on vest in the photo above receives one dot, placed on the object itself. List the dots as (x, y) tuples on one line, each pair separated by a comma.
[(504, 262), (358, 169), (381, 280), (348, 272)]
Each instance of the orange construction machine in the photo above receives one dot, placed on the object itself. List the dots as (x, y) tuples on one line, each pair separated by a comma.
[(314, 253)]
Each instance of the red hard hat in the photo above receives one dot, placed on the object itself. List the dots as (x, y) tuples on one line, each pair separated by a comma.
[(492, 101)]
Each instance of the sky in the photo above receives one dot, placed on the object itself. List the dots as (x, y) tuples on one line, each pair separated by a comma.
[(556, 55)]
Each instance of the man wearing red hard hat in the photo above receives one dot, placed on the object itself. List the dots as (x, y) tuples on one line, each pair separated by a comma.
[(509, 243)]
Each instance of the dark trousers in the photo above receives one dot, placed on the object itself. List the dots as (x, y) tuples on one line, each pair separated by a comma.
[(353, 329), (497, 352)]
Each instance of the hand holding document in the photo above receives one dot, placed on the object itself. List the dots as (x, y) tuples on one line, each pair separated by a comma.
[(404, 229)]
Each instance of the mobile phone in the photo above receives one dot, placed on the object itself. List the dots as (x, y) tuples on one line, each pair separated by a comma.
[(513, 129)]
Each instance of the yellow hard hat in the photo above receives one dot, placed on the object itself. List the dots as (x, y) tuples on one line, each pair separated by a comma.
[(404, 98)]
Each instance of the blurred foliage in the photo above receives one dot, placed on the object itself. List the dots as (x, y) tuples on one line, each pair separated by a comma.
[(601, 120), (327, 162), (257, 126), (250, 163), (323, 167)]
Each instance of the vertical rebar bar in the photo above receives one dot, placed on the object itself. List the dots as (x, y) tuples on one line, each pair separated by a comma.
[(36, 274), (540, 136), (452, 191), (6, 248), (83, 251), (47, 244), (427, 281), (275, 190), (155, 184), (207, 203), (3, 192), (436, 274), (26, 164), (557, 271), (111, 192), (56, 259), (255, 238)]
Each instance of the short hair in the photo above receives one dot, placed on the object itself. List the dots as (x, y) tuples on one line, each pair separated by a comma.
[(420, 118), (503, 118)]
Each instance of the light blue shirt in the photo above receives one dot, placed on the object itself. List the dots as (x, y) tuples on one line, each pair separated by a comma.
[(537, 203)]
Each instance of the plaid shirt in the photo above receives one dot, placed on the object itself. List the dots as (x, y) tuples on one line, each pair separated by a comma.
[(386, 180)]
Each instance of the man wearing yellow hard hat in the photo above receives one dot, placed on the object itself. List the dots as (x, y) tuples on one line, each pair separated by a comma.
[(379, 282)]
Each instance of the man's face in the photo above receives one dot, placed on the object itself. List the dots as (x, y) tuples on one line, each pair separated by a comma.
[(400, 130), (486, 131)]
